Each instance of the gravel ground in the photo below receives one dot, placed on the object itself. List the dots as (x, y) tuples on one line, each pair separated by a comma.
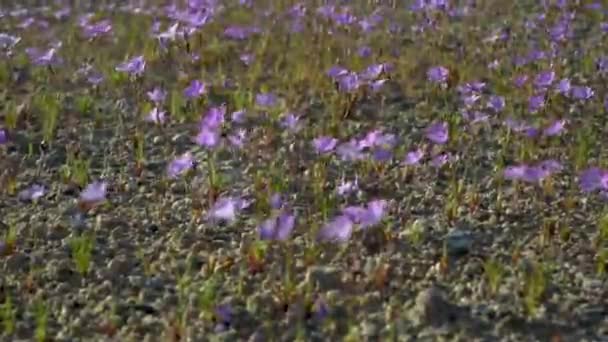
[(355, 172)]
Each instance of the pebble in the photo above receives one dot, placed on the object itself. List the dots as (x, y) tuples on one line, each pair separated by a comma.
[(432, 308), (324, 277), (458, 241)]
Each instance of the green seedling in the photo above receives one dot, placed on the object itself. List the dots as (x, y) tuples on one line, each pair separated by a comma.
[(8, 316), (49, 107), (208, 294), (10, 238), (82, 251), (494, 272), (535, 285), (415, 232), (602, 262), (42, 316)]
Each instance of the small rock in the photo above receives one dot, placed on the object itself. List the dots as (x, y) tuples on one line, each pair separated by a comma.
[(16, 262), (326, 278), (458, 241), (432, 308), (119, 265)]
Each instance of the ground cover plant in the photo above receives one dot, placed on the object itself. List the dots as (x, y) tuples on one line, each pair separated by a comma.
[(282, 170)]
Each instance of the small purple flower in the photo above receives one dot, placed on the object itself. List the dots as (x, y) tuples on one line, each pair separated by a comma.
[(238, 138), (517, 126), (350, 151), (382, 155), (532, 174), (267, 100), (247, 58), (3, 136), (94, 192), (364, 51), (563, 86), (544, 79), (195, 89), (157, 95), (349, 83), (441, 159), (276, 201), (536, 102), (413, 157), (337, 230), (277, 228), (225, 209), (593, 179), (291, 122), (325, 144), (238, 116), (223, 313), (7, 41), (375, 212), (214, 118), (207, 137), (337, 71), (180, 165), (555, 128), (496, 103), (347, 187), (134, 66), (373, 71), (43, 58), (100, 28), (438, 74), (32, 193), (581, 92), (156, 116), (438, 133), (520, 80)]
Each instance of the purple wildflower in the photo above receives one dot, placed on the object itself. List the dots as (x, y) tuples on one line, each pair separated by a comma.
[(156, 116), (94, 192), (438, 133), (347, 187), (225, 209), (180, 165), (555, 128), (581, 92), (214, 118), (207, 137), (135, 66), (268, 100), (3, 136), (438, 74), (157, 95), (413, 157), (277, 228), (593, 179), (195, 89), (325, 144), (238, 138), (563, 86), (544, 79), (349, 83), (496, 103), (291, 122), (32, 193), (536, 102), (100, 28), (337, 230)]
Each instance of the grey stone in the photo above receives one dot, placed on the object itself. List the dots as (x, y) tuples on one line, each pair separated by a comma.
[(324, 277), (458, 241), (432, 308), (17, 262)]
